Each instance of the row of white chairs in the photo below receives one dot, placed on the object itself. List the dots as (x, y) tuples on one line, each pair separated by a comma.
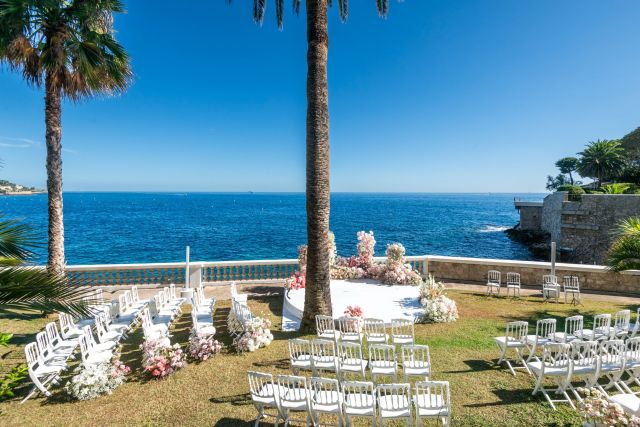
[(375, 331), (344, 358), (345, 400), (164, 308), (551, 289), (239, 316), (202, 313)]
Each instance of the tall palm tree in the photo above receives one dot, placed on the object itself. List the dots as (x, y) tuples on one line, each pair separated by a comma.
[(602, 159), (624, 253), (69, 46), (318, 273)]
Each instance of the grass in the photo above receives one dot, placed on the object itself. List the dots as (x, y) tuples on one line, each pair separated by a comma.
[(215, 392)]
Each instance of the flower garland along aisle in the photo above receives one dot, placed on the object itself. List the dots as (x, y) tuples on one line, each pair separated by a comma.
[(438, 308), (96, 380), (160, 358), (256, 335), (596, 411)]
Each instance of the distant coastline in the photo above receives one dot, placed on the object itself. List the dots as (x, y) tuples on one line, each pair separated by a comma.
[(8, 188), (23, 193)]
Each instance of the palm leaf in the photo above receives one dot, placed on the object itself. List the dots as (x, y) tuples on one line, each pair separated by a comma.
[(16, 239)]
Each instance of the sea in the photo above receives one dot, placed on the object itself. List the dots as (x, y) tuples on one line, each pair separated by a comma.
[(103, 228)]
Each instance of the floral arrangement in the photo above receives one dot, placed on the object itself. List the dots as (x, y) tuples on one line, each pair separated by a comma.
[(96, 380), (160, 359), (257, 335), (438, 308), (396, 271), (203, 346), (354, 311), (596, 410), (296, 281)]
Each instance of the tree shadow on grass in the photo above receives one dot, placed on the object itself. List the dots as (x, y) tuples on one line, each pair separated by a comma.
[(282, 364), (476, 365), (507, 397), (233, 422), (243, 399)]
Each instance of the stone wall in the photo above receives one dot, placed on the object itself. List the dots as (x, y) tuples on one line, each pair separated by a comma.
[(530, 218), (551, 214), (592, 277)]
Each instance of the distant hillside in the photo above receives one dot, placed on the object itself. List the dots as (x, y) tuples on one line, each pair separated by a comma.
[(7, 187), (631, 143)]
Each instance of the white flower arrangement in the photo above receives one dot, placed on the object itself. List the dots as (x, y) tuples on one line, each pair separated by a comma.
[(203, 346), (96, 380), (438, 308), (596, 410), (257, 335)]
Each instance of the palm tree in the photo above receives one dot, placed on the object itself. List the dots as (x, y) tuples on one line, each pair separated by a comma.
[(624, 253), (602, 159), (70, 47), (318, 274)]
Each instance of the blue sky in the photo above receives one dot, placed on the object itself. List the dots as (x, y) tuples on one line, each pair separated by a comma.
[(464, 96)]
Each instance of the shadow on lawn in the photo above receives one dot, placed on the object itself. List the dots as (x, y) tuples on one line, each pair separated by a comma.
[(476, 366), (235, 400), (230, 422), (507, 397)]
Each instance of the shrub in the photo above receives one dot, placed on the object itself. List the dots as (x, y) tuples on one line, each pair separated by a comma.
[(11, 380), (575, 191)]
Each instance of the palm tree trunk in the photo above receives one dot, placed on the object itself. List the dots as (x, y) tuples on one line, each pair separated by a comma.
[(317, 292), (53, 114)]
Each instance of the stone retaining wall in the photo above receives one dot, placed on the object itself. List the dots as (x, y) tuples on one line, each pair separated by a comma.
[(592, 277)]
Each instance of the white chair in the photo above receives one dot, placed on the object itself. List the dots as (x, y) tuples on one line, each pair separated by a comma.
[(545, 331), (323, 356), (621, 324), (105, 335), (359, 399), (300, 355), (173, 293), (550, 287), (573, 327), (382, 361), (571, 286), (394, 402), (493, 282), (432, 399), (241, 298), (136, 302), (95, 346), (601, 328), (264, 395), (57, 342), (416, 361), (91, 356), (350, 360), (515, 339), (126, 311), (350, 329), (612, 364), (555, 364), (171, 302), (635, 329), (513, 283), (326, 328), (294, 397), (402, 331), (153, 331), (632, 364), (584, 365), (68, 329), (630, 403), (326, 398), (202, 327), (375, 331), (48, 354), (40, 373)]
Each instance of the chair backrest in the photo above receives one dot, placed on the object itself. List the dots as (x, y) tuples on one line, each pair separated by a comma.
[(633, 350), (172, 291), (402, 328), (573, 325), (135, 297), (435, 395), (99, 296), (145, 315), (88, 334), (394, 397), (167, 294), (416, 353), (612, 352), (102, 327), (584, 353), (493, 276), (261, 385), (622, 320), (52, 333), (517, 331), (295, 389), (323, 350), (602, 323), (382, 355), (44, 346), (128, 298), (325, 391), (85, 347), (324, 324), (549, 279), (122, 303), (374, 328), (556, 355), (350, 327), (513, 278), (636, 327), (350, 352), (299, 348), (233, 290), (362, 394), (571, 282), (545, 328), (65, 322)]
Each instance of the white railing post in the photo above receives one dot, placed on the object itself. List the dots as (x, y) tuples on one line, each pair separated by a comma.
[(425, 266), (195, 275)]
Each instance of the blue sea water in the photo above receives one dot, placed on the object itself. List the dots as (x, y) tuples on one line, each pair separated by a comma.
[(156, 227)]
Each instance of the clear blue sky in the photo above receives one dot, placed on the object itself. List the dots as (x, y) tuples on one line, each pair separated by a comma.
[(468, 96)]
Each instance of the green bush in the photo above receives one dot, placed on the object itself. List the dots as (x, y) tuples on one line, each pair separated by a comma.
[(12, 380), (575, 191)]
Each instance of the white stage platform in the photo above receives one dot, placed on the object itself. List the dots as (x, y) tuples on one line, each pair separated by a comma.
[(377, 300)]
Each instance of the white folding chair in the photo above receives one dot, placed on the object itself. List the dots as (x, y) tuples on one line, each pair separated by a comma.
[(105, 335), (550, 287), (571, 286), (394, 402), (584, 365), (382, 361), (350, 360), (91, 355), (300, 355), (359, 399), (241, 298), (545, 331), (57, 342), (513, 283), (573, 327), (514, 339), (555, 364), (294, 397), (350, 329), (621, 324), (416, 361), (635, 329), (326, 328), (48, 354), (264, 395), (612, 364), (40, 373), (630, 403), (202, 327), (432, 399), (493, 282), (326, 398), (601, 328), (632, 364), (375, 331), (402, 331), (323, 356), (68, 329), (153, 331)]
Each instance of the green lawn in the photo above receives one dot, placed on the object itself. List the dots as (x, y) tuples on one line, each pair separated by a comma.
[(215, 392)]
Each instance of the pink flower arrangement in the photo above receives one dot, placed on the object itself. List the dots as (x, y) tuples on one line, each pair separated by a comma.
[(597, 410), (296, 281), (353, 311), (160, 359), (119, 369), (202, 347)]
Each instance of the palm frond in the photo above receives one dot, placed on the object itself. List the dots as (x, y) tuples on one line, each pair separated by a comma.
[(296, 7), (16, 240), (383, 7), (279, 13), (34, 289), (625, 254), (343, 6), (259, 7)]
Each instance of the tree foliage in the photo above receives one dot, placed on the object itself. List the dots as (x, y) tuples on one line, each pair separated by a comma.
[(601, 159), (624, 253)]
